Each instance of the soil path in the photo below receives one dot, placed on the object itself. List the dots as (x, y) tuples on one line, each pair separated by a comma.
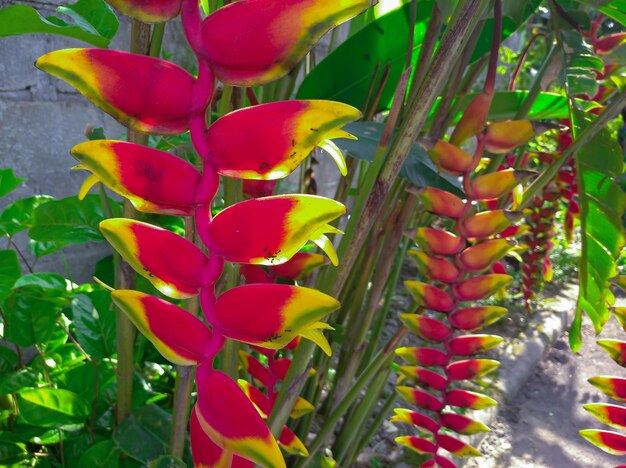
[(539, 428)]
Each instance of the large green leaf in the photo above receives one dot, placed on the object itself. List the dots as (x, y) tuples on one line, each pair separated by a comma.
[(22, 19), (8, 182), (602, 204), (52, 407), (52, 283), (8, 359), (167, 461), (70, 220), (11, 453), (144, 435), (346, 73), (29, 320), (616, 10), (9, 272), (102, 455), (18, 380), (18, 216), (418, 168), (95, 323)]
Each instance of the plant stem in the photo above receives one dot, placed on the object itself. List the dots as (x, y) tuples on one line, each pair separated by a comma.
[(457, 34), (125, 330)]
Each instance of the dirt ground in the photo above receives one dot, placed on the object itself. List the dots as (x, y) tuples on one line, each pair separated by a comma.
[(539, 428)]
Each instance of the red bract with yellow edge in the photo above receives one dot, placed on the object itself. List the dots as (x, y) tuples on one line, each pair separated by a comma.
[(148, 11)]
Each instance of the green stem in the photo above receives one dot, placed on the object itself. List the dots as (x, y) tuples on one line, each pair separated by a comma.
[(609, 113), (125, 330), (457, 34), (156, 42), (378, 421), (374, 368)]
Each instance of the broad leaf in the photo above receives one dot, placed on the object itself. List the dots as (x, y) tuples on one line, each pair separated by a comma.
[(616, 10), (101, 455), (29, 320), (53, 283), (8, 359), (602, 204), (145, 434), (94, 321), (8, 182), (167, 461), (94, 16), (18, 216), (18, 380), (11, 453), (22, 19), (52, 407), (70, 221), (9, 272)]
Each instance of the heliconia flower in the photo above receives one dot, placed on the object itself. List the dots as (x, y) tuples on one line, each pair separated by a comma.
[(425, 378), (228, 417), (271, 315), (476, 318), (420, 398), (613, 415), (417, 419), (615, 387), (154, 181), (299, 266), (260, 401), (467, 399), (278, 137), (258, 188), (620, 315), (616, 349), (470, 368), (438, 242), (468, 345), (145, 93), (429, 296), (253, 366), (488, 223), (174, 265), (206, 453), (482, 256), (179, 336), (609, 441), (496, 184), (447, 157), (606, 44), (146, 11), (279, 367), (473, 119), (480, 287), (462, 424), (254, 42), (440, 202), (504, 137), (437, 269), (427, 328), (456, 447), (514, 231), (269, 231), (417, 444), (301, 408), (423, 356), (442, 462), (291, 443)]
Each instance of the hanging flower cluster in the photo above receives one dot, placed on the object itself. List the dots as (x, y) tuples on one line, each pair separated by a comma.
[(247, 43), (459, 259)]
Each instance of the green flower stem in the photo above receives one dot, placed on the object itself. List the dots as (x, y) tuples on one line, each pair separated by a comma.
[(125, 330), (379, 362), (457, 34), (355, 422), (610, 112), (371, 430), (156, 41)]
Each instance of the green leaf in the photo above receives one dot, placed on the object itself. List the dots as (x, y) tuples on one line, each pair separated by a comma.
[(8, 359), (167, 461), (8, 182), (30, 320), (346, 73), (9, 272), (602, 205), (616, 10), (22, 19), (70, 220), (16, 381), (418, 168), (144, 435), (18, 216), (51, 282), (94, 16), (102, 455), (52, 407), (11, 453), (80, 379), (94, 321)]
